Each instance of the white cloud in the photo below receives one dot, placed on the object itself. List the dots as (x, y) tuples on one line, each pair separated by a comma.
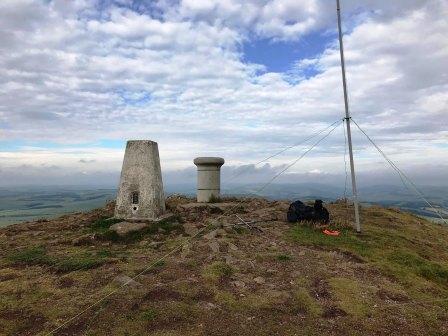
[(75, 74)]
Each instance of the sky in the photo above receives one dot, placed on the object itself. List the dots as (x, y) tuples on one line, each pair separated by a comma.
[(235, 79)]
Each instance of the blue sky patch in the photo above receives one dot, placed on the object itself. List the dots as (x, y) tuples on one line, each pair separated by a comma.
[(280, 56), (133, 98), (17, 145), (107, 143)]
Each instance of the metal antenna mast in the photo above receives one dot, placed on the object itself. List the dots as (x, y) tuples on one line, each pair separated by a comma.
[(347, 120)]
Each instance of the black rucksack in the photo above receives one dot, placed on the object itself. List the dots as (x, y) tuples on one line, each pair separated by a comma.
[(298, 212), (320, 213)]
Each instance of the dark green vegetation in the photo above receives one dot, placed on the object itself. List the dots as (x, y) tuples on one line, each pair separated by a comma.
[(149, 314), (67, 263), (286, 280), (217, 271), (284, 257), (102, 225), (214, 199)]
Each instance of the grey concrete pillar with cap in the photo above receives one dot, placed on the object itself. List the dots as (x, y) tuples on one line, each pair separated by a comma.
[(209, 178), (140, 193)]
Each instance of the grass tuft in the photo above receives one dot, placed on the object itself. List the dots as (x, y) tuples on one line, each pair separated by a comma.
[(103, 224), (351, 296), (284, 257), (214, 199), (37, 255), (305, 303), (347, 240), (240, 229), (30, 256), (78, 262), (227, 300), (217, 271), (149, 314), (417, 265)]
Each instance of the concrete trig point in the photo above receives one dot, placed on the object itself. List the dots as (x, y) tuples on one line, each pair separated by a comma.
[(140, 193), (209, 178)]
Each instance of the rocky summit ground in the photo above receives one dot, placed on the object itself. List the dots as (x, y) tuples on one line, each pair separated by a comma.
[(273, 278)]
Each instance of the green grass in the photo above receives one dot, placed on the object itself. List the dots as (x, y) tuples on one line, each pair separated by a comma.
[(160, 264), (105, 253), (37, 255), (305, 303), (226, 299), (149, 314), (284, 257), (268, 300), (396, 243), (240, 229), (103, 224), (78, 262), (216, 271), (214, 199), (351, 297), (419, 266), (31, 256), (347, 240), (160, 316)]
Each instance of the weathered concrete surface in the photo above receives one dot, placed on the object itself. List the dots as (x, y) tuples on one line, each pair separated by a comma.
[(165, 217), (224, 206), (209, 178), (140, 194), (123, 228)]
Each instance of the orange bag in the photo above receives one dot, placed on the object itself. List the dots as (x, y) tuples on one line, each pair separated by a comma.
[(330, 232)]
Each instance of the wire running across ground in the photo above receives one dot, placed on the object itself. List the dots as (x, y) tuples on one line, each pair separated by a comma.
[(187, 241), (402, 175)]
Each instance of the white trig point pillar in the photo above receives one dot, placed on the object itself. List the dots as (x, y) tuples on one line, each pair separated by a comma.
[(140, 193), (209, 178)]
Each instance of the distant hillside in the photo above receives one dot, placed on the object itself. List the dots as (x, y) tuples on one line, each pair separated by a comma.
[(386, 195), (21, 204), (275, 279)]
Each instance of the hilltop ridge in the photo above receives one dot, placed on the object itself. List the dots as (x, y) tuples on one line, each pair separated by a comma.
[(275, 279)]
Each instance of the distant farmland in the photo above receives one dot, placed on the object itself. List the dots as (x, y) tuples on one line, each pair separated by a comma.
[(25, 204), (18, 205)]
